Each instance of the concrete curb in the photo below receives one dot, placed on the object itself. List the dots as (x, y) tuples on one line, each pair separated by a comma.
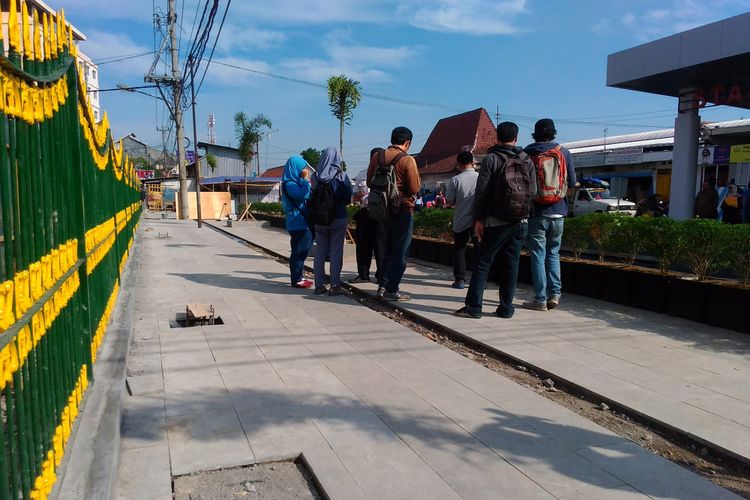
[(89, 469)]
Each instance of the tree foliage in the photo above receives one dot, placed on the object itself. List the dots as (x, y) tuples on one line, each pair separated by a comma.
[(344, 94), (211, 162), (312, 156), (248, 133)]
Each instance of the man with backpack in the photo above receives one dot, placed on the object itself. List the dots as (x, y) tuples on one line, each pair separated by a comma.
[(394, 182), (555, 174), (502, 205)]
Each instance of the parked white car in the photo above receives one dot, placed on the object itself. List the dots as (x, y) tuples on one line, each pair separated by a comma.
[(589, 200)]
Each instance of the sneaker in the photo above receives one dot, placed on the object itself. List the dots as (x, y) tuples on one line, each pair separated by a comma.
[(534, 305), (320, 290), (465, 313), (381, 292), (396, 297), (303, 284), (336, 290), (459, 284), (553, 302), (359, 279)]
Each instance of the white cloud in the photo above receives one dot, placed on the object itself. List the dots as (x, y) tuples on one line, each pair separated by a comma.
[(291, 12), (105, 45), (676, 16), (603, 27), (237, 38), (474, 17), (340, 47)]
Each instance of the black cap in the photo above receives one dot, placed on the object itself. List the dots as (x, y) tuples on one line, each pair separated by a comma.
[(545, 128)]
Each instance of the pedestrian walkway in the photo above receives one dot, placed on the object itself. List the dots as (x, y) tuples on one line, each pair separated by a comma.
[(686, 375), (377, 410)]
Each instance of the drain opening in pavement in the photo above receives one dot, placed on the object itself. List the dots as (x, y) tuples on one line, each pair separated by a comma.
[(196, 315), (287, 479)]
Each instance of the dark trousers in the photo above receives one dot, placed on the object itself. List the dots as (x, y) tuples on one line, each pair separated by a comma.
[(371, 240), (301, 241), (460, 241), (507, 242), (398, 238)]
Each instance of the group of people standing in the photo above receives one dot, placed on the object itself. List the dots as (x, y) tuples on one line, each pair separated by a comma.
[(517, 196), (506, 204), (388, 239), (729, 204)]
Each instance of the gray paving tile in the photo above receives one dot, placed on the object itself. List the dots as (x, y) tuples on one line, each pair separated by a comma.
[(205, 441), (651, 475), (144, 473)]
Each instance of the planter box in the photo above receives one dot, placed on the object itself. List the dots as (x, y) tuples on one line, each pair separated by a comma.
[(650, 291), (688, 299), (617, 284), (728, 307), (568, 275), (445, 254), (588, 279), (524, 269)]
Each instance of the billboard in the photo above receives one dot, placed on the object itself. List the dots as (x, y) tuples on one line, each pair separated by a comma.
[(144, 174)]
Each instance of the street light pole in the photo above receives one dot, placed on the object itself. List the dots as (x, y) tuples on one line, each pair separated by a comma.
[(195, 146)]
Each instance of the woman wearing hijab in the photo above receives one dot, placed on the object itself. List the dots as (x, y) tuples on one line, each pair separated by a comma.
[(295, 190), (330, 239)]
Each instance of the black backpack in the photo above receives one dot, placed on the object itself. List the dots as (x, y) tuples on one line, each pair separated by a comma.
[(321, 206), (383, 199), (512, 197)]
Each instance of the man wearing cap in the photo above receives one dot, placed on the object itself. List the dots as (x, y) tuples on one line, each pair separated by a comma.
[(546, 226)]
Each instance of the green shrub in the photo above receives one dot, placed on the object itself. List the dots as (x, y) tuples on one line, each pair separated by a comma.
[(738, 251), (434, 223), (602, 228), (577, 235), (629, 236), (663, 239), (704, 245), (259, 207), (351, 210)]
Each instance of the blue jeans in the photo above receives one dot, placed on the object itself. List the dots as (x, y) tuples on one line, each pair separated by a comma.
[(398, 238), (545, 238), (507, 241), (330, 243), (301, 241)]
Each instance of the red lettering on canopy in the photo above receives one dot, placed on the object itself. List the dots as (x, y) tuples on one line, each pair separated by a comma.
[(735, 95)]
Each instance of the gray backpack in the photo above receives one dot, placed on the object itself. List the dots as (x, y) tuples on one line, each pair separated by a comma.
[(384, 198)]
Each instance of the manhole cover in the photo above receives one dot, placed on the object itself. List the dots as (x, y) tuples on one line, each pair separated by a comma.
[(196, 315), (276, 480)]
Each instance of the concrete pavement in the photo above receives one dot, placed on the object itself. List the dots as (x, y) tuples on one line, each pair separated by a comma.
[(377, 410), (685, 375)]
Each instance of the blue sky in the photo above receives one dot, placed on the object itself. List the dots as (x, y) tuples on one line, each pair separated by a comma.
[(532, 58)]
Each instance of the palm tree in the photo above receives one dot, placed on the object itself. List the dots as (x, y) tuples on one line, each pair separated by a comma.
[(249, 136), (344, 95)]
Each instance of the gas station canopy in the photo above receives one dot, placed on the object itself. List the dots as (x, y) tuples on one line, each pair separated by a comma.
[(712, 60)]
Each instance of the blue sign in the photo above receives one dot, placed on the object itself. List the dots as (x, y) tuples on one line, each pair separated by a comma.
[(190, 156)]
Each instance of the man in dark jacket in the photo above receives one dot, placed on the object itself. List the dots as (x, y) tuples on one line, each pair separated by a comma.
[(494, 231), (546, 226)]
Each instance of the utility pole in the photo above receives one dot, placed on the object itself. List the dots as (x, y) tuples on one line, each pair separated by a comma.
[(497, 115), (174, 105), (177, 85), (195, 142)]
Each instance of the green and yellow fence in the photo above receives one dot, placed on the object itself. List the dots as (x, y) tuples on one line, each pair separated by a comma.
[(69, 207)]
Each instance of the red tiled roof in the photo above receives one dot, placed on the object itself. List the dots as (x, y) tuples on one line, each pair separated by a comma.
[(273, 172), (276, 172), (471, 131)]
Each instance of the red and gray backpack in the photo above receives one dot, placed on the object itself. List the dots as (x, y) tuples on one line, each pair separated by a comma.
[(551, 174)]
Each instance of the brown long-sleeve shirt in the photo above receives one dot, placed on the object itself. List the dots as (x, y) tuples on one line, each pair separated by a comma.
[(407, 175)]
